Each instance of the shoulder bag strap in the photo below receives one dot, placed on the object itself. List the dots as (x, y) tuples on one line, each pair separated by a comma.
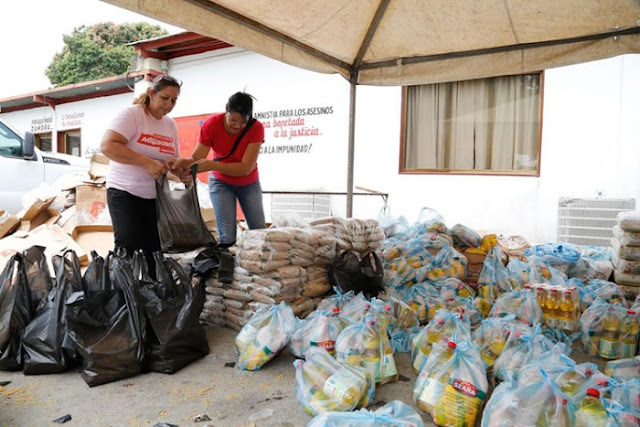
[(235, 144)]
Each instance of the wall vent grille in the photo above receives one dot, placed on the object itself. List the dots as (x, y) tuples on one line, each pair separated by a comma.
[(589, 221), (306, 206)]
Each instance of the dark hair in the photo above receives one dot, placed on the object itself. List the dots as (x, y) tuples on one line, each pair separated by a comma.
[(241, 102), (157, 84)]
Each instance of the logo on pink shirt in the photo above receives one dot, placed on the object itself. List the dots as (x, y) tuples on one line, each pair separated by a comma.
[(163, 143)]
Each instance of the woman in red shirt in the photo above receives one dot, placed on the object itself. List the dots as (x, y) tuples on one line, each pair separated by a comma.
[(234, 137)]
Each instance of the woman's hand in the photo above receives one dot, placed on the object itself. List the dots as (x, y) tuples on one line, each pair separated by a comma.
[(205, 165), (177, 164), (155, 168)]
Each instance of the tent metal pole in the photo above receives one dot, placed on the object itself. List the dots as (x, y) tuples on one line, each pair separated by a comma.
[(350, 157)]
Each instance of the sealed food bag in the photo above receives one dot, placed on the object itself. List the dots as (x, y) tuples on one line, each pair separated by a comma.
[(494, 277), (180, 222), (419, 298), (623, 369), (522, 304), (447, 263), (452, 288), (522, 347), (319, 329), (452, 385), (339, 300), (600, 329), (464, 237), (47, 347), (548, 364), (603, 289), (395, 413), (404, 324), (264, 336), (365, 344), (357, 308), (491, 337), (541, 272), (323, 384), (445, 325), (537, 403), (518, 273), (16, 312), (466, 307)]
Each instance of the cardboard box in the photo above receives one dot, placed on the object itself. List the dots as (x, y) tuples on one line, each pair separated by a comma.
[(36, 208), (97, 238), (47, 216), (8, 224), (91, 198)]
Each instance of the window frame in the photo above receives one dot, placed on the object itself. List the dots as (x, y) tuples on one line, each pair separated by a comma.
[(39, 137), (62, 140), (402, 170)]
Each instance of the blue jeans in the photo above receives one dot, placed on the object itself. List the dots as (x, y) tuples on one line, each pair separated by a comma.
[(223, 198)]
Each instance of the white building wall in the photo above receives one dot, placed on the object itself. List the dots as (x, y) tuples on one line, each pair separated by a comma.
[(589, 139)]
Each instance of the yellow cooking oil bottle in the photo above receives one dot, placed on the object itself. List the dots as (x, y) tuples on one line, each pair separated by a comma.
[(608, 346), (433, 381), (590, 411), (629, 330), (552, 303), (567, 312)]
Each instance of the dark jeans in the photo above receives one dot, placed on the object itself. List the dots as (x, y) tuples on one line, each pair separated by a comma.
[(134, 224)]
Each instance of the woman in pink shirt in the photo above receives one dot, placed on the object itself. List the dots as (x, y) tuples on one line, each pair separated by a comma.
[(140, 141)]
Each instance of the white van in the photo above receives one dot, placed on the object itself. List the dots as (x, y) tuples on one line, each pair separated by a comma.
[(24, 167)]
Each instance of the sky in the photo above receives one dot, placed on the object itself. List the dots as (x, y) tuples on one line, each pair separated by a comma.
[(31, 34)]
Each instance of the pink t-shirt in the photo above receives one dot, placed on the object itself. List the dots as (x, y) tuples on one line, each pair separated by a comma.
[(151, 137), (213, 134)]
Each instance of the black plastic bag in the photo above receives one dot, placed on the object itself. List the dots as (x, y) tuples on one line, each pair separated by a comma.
[(180, 224), (47, 347), (172, 306), (108, 326), (38, 276), (15, 312), (351, 273)]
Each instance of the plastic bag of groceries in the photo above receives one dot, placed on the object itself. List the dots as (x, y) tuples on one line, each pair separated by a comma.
[(404, 324), (494, 277), (599, 328), (541, 272), (623, 369), (561, 256), (452, 288), (395, 413), (264, 336), (464, 237), (339, 300), (550, 363), (523, 304), (626, 397), (357, 308), (447, 263), (320, 329), (391, 225), (603, 289), (523, 346), (443, 327), (466, 307), (323, 384), (518, 272), (539, 403), (365, 344), (419, 298), (452, 385), (492, 335)]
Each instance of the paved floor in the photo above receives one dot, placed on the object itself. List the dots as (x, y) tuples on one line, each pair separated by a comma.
[(227, 395)]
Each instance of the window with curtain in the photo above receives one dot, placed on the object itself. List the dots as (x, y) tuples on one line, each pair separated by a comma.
[(479, 126)]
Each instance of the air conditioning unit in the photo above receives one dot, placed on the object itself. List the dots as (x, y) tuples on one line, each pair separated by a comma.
[(590, 221), (306, 206)]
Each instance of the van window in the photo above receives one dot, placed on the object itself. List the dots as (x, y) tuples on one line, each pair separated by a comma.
[(10, 143)]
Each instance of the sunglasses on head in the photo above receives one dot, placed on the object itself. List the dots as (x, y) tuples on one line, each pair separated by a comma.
[(166, 78)]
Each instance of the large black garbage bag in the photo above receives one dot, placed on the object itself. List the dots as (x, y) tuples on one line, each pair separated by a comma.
[(349, 272), (108, 326), (15, 312), (47, 347), (173, 308), (38, 276), (180, 222)]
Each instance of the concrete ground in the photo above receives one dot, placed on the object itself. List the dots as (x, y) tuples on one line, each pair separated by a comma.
[(227, 395)]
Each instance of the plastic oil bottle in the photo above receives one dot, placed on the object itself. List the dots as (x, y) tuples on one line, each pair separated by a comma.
[(629, 330), (567, 320), (608, 347), (552, 302), (590, 411)]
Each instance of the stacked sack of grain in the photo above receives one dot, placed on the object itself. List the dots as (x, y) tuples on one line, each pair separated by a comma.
[(626, 253), (354, 234)]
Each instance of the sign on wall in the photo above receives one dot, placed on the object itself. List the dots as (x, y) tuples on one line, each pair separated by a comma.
[(41, 124)]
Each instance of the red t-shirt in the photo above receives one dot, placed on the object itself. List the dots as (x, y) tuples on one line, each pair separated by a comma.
[(213, 134)]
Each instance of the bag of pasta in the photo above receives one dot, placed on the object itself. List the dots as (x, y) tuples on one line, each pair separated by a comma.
[(264, 336), (453, 384), (323, 384)]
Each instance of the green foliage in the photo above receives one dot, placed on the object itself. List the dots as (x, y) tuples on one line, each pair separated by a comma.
[(98, 51)]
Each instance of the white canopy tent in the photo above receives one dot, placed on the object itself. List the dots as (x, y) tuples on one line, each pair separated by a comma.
[(411, 42)]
